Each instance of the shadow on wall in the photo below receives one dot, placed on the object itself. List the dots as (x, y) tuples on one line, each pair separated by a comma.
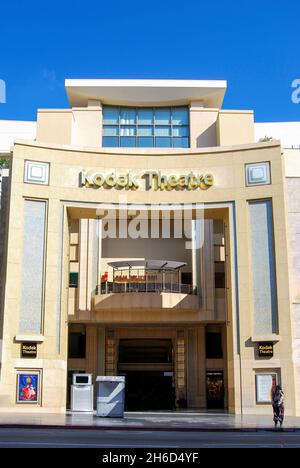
[(208, 138)]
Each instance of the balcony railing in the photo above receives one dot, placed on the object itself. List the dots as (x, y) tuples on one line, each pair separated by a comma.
[(144, 287)]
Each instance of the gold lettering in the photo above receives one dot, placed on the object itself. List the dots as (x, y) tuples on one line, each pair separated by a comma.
[(155, 180), (209, 180)]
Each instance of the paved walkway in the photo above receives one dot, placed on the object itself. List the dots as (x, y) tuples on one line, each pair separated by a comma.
[(186, 421)]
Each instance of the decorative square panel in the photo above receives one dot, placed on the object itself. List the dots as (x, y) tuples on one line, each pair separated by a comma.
[(36, 172), (258, 174)]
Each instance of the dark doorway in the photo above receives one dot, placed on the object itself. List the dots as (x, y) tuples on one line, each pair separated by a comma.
[(149, 391), (215, 390), (146, 351), (147, 365)]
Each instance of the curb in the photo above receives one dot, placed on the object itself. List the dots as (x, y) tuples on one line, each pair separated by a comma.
[(148, 428)]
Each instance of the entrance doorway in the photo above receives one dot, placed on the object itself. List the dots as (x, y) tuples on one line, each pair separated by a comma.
[(149, 391), (215, 389), (148, 367)]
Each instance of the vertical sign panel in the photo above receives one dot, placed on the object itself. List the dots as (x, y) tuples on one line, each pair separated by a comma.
[(264, 292), (32, 286)]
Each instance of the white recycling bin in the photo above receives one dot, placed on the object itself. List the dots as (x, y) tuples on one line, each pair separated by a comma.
[(110, 396), (82, 393)]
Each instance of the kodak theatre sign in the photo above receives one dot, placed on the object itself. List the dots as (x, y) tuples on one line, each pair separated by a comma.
[(151, 180)]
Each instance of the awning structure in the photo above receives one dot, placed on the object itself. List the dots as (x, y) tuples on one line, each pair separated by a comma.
[(157, 265)]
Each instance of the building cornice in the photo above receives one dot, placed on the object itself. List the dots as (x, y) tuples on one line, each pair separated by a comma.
[(152, 151)]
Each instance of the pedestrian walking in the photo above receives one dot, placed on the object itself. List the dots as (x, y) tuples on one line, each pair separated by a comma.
[(278, 405)]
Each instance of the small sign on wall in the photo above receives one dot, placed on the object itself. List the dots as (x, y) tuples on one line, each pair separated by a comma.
[(265, 349), (29, 350)]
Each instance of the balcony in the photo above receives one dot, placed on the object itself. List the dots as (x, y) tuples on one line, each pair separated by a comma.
[(155, 288), (149, 284), (145, 286)]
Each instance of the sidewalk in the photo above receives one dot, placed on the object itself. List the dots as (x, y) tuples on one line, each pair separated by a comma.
[(162, 421)]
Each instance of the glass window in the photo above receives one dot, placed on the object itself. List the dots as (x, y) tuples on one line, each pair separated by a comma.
[(110, 142), (163, 142), (110, 115), (180, 131), (127, 130), (73, 280), (213, 342), (163, 127), (145, 131), (128, 142), (145, 116), (180, 116), (127, 116), (162, 131), (76, 346), (110, 130), (180, 142), (145, 142), (163, 116)]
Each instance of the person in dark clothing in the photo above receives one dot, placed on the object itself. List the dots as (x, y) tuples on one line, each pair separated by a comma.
[(278, 405)]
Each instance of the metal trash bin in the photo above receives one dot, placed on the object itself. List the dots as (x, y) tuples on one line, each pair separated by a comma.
[(110, 396), (82, 393)]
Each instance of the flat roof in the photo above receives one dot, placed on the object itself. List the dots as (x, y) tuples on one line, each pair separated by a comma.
[(145, 92), (148, 264)]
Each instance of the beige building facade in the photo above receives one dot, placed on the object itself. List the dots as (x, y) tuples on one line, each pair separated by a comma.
[(147, 234)]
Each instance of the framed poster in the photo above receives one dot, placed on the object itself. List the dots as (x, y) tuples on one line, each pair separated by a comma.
[(264, 384), (28, 387)]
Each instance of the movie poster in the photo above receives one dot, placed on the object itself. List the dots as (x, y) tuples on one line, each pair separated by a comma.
[(28, 387)]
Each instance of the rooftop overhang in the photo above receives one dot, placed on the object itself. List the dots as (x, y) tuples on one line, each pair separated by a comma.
[(146, 92), (148, 265)]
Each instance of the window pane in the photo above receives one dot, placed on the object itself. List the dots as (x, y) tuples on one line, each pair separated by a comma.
[(145, 116), (180, 131), (128, 142), (111, 130), (110, 115), (180, 116), (163, 116), (110, 142), (127, 131), (146, 142), (163, 131), (145, 131), (180, 142), (163, 142), (127, 115)]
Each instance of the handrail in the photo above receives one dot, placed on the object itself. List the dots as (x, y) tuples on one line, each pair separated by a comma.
[(143, 287)]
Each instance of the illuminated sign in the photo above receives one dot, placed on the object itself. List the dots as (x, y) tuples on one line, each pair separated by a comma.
[(152, 180)]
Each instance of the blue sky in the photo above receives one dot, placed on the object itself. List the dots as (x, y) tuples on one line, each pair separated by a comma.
[(254, 45)]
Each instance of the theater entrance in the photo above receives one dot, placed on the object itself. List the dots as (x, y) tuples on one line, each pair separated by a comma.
[(148, 366)]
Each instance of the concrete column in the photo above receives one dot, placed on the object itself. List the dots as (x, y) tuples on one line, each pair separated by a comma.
[(101, 352), (208, 269), (196, 265), (196, 381), (99, 234), (91, 350), (83, 256)]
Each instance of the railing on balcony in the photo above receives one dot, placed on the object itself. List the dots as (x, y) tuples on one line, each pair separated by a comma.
[(143, 287), (145, 276)]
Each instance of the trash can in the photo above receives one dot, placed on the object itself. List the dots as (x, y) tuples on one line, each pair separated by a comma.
[(110, 396), (82, 393)]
